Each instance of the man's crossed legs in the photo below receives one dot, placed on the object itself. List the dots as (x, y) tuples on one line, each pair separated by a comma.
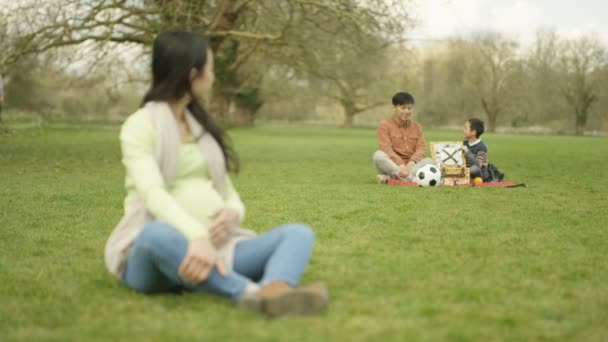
[(387, 169)]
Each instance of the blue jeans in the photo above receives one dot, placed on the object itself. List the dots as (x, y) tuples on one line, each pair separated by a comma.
[(281, 254)]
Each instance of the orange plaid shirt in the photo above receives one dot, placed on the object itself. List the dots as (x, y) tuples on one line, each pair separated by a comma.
[(401, 143)]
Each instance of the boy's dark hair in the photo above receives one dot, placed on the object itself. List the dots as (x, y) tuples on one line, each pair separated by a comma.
[(402, 98), (477, 125)]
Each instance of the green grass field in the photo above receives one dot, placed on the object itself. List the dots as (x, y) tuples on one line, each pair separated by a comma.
[(402, 263)]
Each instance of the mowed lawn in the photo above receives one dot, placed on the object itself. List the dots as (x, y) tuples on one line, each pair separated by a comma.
[(402, 263)]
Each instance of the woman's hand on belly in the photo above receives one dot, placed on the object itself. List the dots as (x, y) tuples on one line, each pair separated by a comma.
[(224, 222)]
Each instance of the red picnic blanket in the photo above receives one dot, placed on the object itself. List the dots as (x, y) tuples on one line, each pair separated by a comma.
[(499, 184)]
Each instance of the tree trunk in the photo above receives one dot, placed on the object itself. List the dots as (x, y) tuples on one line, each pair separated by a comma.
[(220, 107), (582, 111), (581, 121), (349, 113), (241, 115), (492, 122), (581, 102), (492, 114), (349, 120), (226, 111)]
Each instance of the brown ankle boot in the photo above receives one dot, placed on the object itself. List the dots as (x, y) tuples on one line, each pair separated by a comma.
[(279, 299), (274, 289), (304, 300), (270, 291)]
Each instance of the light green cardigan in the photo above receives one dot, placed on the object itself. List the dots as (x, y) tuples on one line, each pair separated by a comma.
[(171, 182)]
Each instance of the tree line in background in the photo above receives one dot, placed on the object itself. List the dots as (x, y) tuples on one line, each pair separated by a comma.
[(299, 60), (558, 83), (251, 38)]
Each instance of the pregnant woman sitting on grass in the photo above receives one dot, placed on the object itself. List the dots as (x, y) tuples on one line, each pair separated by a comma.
[(181, 227)]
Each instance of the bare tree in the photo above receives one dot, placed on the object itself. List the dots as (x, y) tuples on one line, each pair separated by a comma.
[(446, 89), (601, 109), (541, 76), (580, 60), (352, 77), (351, 57), (493, 62), (241, 31)]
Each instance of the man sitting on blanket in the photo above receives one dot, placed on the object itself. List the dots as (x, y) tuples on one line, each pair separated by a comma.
[(401, 143)]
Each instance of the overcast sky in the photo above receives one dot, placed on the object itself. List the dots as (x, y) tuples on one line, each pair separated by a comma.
[(518, 18)]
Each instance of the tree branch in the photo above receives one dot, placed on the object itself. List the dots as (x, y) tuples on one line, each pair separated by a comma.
[(244, 34)]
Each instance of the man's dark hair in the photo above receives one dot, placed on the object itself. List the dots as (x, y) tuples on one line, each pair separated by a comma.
[(403, 98), (477, 125)]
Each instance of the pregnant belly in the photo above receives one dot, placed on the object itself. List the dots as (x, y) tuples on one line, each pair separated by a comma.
[(197, 197)]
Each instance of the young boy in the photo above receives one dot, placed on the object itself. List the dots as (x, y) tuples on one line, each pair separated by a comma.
[(475, 151)]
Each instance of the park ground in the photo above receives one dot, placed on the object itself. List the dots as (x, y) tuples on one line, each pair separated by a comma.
[(402, 263)]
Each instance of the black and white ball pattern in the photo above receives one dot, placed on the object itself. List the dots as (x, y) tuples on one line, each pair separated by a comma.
[(428, 175)]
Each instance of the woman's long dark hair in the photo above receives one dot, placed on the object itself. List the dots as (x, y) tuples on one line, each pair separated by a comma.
[(174, 55)]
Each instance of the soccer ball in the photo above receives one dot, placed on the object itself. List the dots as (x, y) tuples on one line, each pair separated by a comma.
[(428, 175)]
